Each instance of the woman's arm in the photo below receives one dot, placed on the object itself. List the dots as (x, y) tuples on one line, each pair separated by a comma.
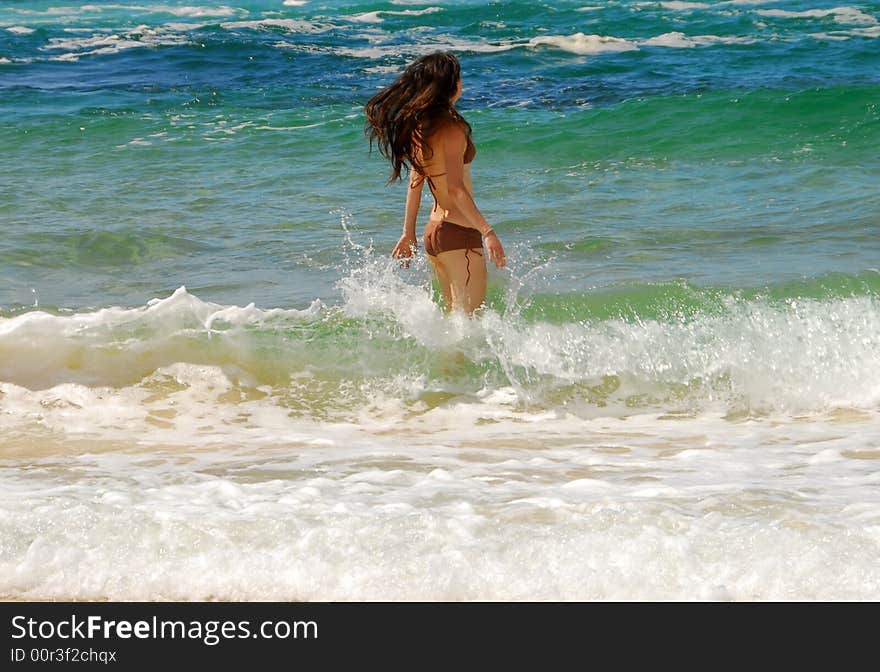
[(407, 242), (454, 146), (413, 200)]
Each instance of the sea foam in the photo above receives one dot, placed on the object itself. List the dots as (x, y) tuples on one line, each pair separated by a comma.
[(582, 44), (839, 14)]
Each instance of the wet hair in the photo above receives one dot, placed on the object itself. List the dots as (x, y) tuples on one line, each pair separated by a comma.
[(401, 116)]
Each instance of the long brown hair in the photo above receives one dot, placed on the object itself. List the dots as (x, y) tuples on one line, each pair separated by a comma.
[(402, 115)]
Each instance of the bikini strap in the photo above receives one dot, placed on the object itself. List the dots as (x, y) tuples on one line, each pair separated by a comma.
[(431, 184)]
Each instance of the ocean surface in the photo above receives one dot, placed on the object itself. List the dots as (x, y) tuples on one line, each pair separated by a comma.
[(216, 384)]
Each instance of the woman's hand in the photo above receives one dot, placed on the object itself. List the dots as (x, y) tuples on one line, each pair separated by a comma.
[(404, 249), (494, 250)]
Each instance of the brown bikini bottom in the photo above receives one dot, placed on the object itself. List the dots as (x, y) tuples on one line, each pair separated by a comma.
[(445, 236)]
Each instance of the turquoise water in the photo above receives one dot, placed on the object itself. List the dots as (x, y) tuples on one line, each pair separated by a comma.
[(147, 145), (673, 386)]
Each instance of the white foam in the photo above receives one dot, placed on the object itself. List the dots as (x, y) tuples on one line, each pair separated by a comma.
[(51, 11), (444, 42), (183, 26), (179, 314), (675, 5), (290, 25), (582, 44), (685, 6), (872, 32), (376, 16), (748, 2), (383, 69), (840, 14), (366, 17), (475, 46), (20, 30), (762, 511), (803, 356), (394, 469), (679, 40), (834, 37), (142, 36), (176, 10)]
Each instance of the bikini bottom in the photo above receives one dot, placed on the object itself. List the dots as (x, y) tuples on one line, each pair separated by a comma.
[(444, 236)]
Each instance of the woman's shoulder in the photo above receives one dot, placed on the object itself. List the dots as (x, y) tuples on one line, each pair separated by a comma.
[(448, 130), (443, 121)]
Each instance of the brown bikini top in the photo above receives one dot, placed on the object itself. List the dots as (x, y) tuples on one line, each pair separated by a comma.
[(469, 153)]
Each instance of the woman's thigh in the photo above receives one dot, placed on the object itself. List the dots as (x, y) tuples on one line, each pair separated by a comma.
[(464, 273), (442, 278)]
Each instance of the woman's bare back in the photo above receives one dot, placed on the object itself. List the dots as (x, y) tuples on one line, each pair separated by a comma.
[(437, 174)]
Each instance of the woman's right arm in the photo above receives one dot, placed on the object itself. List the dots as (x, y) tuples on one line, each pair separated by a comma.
[(408, 241), (454, 145)]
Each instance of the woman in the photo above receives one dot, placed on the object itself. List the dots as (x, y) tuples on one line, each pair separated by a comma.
[(416, 126)]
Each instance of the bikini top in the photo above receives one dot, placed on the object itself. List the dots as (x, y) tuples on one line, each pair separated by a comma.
[(469, 153)]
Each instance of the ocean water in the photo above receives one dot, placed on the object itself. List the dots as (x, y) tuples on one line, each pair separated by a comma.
[(216, 384)]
